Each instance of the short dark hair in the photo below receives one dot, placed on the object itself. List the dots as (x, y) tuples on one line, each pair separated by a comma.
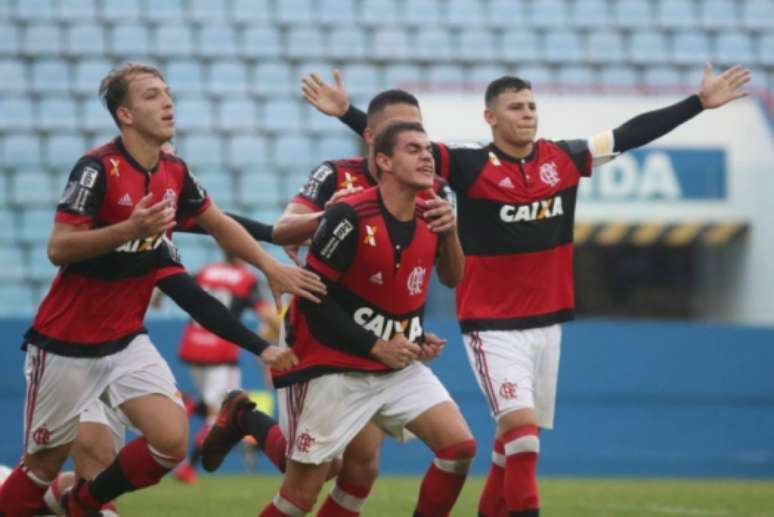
[(114, 86), (504, 84), (387, 138), (389, 98)]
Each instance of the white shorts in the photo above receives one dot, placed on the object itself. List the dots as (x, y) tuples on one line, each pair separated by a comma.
[(60, 388), (99, 413), (214, 382), (323, 415), (517, 369)]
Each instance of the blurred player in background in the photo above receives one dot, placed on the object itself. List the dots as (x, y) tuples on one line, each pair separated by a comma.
[(516, 212)]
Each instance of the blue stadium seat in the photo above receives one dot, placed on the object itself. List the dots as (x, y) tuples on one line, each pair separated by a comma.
[(193, 113), (208, 11), (57, 113), (116, 11), (102, 137), (633, 14), (538, 75), (13, 78), (390, 43), (237, 114), (172, 41), (244, 150), (563, 47), (676, 14), (294, 180), (17, 299), (87, 75), (130, 39), (219, 183), (399, 75), (547, 14), (465, 13), (251, 13), (719, 14), (663, 77), (591, 14), (477, 45), (5, 10), (449, 75), (39, 268), (360, 79), (425, 14), (305, 43), (261, 187), (63, 150), (41, 39), (647, 47), (520, 46), (167, 11), (30, 187), (34, 10), (690, 47), (576, 76), (8, 224), (12, 259), (734, 47), (758, 14), (260, 42), (432, 44), (336, 13), (216, 41), (293, 150), (270, 78), (347, 43), (604, 47), (485, 74), (84, 40), (15, 113), (315, 121), (51, 76), (9, 40), (227, 78), (201, 150), (36, 224), (759, 82), (619, 77), (766, 50), (506, 14), (294, 12), (339, 146), (185, 76), (21, 149), (379, 13), (77, 10), (281, 115)]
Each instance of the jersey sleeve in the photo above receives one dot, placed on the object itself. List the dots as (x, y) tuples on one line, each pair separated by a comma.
[(318, 188), (580, 154), (335, 242), (460, 165), (83, 195), (193, 199)]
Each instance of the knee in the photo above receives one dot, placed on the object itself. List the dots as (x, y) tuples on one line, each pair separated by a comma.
[(360, 470), (172, 441), (92, 458), (456, 459), (302, 497)]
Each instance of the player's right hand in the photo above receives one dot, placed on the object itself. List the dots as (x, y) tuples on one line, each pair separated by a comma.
[(279, 358), (293, 280), (396, 353), (341, 194), (331, 100), (147, 219), (292, 250)]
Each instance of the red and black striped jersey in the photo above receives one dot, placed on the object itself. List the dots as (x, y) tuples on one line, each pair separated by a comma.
[(237, 288), (95, 307), (516, 219), (378, 271)]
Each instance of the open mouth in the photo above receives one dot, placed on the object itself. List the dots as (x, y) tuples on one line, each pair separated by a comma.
[(168, 118)]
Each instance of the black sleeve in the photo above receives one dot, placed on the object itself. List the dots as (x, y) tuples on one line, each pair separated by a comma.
[(355, 119), (651, 125), (258, 230), (82, 197), (579, 153), (320, 186), (465, 165), (334, 243), (209, 312), (192, 197)]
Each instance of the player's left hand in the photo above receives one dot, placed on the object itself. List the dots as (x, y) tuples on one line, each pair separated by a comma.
[(279, 358), (440, 214), (329, 99), (431, 348), (293, 280), (717, 91)]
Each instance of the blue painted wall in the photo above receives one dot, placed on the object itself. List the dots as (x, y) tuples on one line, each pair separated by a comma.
[(635, 398)]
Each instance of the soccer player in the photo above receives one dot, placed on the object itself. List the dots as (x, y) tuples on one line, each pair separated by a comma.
[(516, 207), (87, 341)]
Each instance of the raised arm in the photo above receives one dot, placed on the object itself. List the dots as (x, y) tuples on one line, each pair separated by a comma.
[(332, 100)]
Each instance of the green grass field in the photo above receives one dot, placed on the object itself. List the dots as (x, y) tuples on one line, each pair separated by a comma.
[(225, 496)]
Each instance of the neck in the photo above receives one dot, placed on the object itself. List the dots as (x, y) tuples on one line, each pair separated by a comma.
[(144, 151), (400, 200), (515, 150)]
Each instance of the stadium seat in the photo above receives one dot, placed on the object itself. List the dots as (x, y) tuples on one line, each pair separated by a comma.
[(281, 115), (766, 50), (336, 13), (193, 113), (41, 39), (484, 74), (36, 223), (633, 14), (647, 47), (676, 14), (690, 47), (379, 13), (103, 137), (39, 267), (30, 187), (270, 78), (13, 78), (244, 150), (477, 46), (734, 47), (390, 43), (446, 75), (168, 11), (87, 75), (259, 42), (84, 40), (21, 149), (506, 13), (293, 150), (17, 299), (15, 113), (520, 46), (339, 146), (208, 11), (260, 187), (227, 77), (236, 114), (130, 39), (425, 14), (619, 77), (604, 47), (201, 150), (12, 259), (77, 10), (316, 122), (548, 14), (184, 76), (8, 224), (62, 151), (116, 11), (465, 13), (56, 113), (216, 41), (251, 13), (538, 75), (591, 14), (432, 44), (575, 76), (304, 43), (347, 43), (758, 14), (51, 76), (218, 182), (293, 12), (663, 77), (9, 40), (719, 14), (172, 41), (563, 47), (34, 10), (294, 180), (401, 75), (360, 79)]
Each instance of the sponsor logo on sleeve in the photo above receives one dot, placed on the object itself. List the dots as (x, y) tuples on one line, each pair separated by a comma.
[(89, 176)]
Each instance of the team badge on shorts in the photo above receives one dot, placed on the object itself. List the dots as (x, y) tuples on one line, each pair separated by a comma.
[(508, 390), (304, 442), (41, 435)]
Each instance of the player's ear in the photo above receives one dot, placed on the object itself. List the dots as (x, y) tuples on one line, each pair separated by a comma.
[(369, 135), (490, 117), (383, 162), (124, 115)]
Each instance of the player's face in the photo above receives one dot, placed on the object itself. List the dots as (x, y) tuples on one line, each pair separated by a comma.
[(412, 160), (513, 117), (150, 109), (391, 113)]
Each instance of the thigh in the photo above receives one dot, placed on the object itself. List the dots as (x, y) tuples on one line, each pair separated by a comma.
[(94, 448), (101, 414), (441, 426), (157, 417)]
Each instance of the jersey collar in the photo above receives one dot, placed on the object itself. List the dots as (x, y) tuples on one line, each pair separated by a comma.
[(508, 158), (134, 163)]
